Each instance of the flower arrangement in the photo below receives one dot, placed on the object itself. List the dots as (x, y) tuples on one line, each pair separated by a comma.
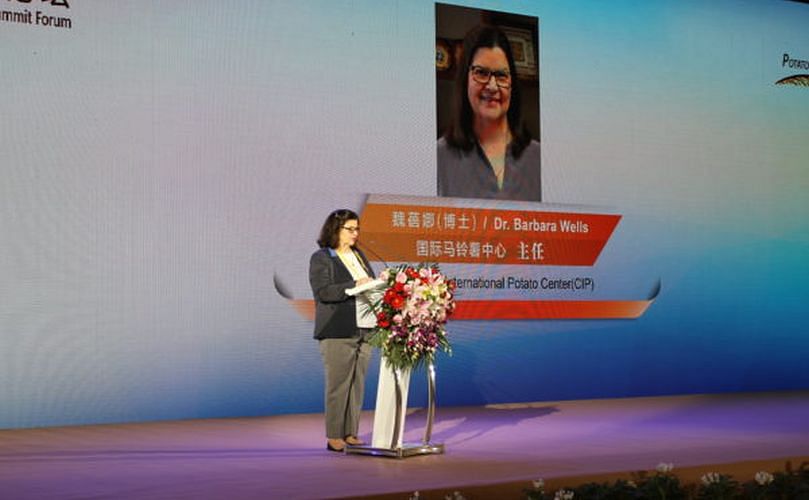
[(662, 484), (717, 486), (412, 314)]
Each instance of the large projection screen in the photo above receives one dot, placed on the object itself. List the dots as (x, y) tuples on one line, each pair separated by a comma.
[(166, 168)]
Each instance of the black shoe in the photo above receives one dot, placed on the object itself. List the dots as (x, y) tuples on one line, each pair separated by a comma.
[(356, 441), (332, 448)]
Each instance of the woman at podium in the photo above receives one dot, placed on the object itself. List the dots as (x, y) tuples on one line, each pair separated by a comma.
[(343, 324)]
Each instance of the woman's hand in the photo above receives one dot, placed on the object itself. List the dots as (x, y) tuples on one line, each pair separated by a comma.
[(363, 281)]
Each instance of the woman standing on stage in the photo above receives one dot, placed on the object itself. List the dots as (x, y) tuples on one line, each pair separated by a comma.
[(343, 324)]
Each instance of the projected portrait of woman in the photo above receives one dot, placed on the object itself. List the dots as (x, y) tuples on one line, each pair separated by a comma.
[(486, 150)]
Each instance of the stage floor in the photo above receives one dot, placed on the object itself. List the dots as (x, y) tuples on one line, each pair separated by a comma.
[(285, 456)]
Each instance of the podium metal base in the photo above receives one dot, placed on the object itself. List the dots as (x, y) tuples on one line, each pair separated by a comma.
[(407, 450)]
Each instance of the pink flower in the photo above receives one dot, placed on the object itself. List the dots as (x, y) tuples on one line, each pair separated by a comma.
[(416, 304)]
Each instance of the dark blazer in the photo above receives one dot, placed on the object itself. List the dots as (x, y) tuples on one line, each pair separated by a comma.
[(335, 312)]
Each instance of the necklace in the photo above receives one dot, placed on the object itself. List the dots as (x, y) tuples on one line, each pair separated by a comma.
[(496, 154), (354, 265)]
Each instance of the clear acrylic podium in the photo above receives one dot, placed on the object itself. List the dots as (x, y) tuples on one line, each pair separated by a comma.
[(390, 413)]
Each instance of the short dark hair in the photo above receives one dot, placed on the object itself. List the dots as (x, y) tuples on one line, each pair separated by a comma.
[(461, 133), (330, 232)]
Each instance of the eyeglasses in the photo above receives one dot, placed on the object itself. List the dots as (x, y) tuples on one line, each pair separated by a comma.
[(482, 75), (355, 229)]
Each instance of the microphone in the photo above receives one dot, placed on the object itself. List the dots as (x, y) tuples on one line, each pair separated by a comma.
[(371, 251)]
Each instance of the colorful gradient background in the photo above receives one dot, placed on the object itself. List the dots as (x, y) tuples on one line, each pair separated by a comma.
[(162, 161)]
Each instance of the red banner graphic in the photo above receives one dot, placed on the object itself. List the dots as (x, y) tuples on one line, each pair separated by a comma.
[(416, 233), (528, 309)]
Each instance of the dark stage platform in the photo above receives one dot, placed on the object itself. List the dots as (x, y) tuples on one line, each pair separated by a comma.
[(285, 456)]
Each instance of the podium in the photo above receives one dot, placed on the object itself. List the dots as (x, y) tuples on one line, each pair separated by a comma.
[(410, 314), (390, 413)]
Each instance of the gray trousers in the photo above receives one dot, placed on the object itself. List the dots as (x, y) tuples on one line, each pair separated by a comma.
[(346, 362)]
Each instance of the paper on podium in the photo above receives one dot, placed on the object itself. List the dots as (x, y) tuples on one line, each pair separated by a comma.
[(371, 285)]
